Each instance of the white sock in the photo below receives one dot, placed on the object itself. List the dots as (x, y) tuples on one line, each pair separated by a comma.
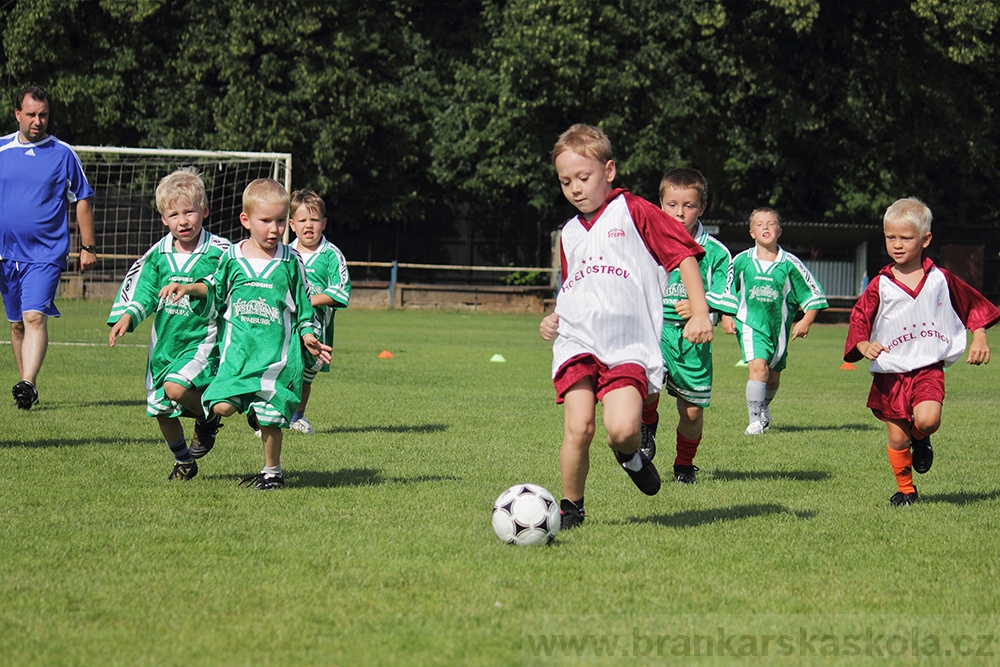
[(272, 471), (634, 463), (756, 393)]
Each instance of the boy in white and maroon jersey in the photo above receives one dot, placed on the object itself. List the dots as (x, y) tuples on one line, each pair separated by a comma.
[(609, 311), (910, 323)]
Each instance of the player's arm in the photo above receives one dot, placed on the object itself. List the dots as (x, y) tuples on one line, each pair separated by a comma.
[(728, 325), (174, 291), (801, 328), (322, 299), (699, 327), (85, 223), (316, 348), (548, 329), (862, 323), (870, 349), (979, 351), (977, 314), (339, 287), (121, 327)]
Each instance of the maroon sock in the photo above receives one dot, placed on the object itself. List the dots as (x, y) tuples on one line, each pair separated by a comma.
[(649, 415), (686, 449)]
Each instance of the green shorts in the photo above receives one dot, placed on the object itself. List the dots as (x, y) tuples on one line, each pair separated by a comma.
[(688, 366), (756, 345)]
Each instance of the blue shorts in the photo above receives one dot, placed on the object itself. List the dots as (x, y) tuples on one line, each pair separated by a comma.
[(26, 286)]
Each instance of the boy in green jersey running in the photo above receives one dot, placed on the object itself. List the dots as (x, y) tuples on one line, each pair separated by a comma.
[(766, 288), (183, 343), (260, 291)]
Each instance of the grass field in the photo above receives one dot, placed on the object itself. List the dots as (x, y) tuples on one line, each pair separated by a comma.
[(380, 550)]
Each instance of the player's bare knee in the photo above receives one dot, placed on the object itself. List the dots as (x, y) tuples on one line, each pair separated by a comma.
[(623, 437), (579, 431), (33, 319), (928, 425), (224, 409), (174, 391)]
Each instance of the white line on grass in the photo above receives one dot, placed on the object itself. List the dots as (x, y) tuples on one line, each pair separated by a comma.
[(67, 344)]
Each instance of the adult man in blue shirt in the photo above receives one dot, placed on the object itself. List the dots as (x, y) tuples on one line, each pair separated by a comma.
[(39, 177)]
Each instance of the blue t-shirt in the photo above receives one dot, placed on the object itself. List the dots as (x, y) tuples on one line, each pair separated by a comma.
[(38, 181)]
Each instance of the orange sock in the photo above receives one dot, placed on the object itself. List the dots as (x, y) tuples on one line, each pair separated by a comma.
[(916, 433), (649, 415), (686, 449), (901, 462)]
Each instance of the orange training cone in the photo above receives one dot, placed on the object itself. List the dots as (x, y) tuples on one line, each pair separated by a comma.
[(847, 366), (386, 354)]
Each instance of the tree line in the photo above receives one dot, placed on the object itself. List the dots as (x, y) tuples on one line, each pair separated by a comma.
[(409, 117)]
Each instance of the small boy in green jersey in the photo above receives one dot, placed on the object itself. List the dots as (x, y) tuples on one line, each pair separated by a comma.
[(260, 290), (765, 290), (329, 284), (183, 349), (688, 376)]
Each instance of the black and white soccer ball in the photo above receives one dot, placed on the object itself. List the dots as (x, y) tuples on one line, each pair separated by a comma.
[(526, 514)]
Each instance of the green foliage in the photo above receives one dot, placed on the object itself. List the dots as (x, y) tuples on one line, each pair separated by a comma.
[(408, 116), (380, 551), (526, 278), (964, 29)]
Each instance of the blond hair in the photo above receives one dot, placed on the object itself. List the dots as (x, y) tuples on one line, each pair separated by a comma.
[(185, 184), (764, 209), (585, 140), (264, 191), (909, 211), (309, 199)]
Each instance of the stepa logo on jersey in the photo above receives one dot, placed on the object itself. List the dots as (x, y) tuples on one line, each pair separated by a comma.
[(256, 311), (616, 233)]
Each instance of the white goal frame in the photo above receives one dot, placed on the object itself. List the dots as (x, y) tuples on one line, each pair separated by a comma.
[(124, 179)]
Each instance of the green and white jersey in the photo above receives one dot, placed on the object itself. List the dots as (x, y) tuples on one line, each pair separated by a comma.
[(265, 310), (714, 268), (326, 271), (764, 296), (183, 341)]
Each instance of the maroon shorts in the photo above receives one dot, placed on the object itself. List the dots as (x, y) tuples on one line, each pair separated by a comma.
[(893, 395), (603, 379)]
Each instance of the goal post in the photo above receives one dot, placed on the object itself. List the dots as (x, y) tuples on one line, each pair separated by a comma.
[(126, 222)]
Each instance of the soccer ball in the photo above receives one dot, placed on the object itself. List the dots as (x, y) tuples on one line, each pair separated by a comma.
[(526, 514)]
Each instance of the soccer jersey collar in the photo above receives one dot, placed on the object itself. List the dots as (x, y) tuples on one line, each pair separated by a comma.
[(765, 266), (700, 235), (926, 265), (48, 138), (614, 193), (167, 243), (323, 243)]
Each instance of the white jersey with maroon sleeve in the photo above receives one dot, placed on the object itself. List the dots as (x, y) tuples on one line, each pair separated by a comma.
[(918, 328), (610, 303)]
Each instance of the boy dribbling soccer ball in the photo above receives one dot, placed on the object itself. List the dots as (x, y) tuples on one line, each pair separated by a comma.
[(609, 312)]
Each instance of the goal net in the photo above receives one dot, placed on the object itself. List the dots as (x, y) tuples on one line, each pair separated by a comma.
[(126, 222)]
